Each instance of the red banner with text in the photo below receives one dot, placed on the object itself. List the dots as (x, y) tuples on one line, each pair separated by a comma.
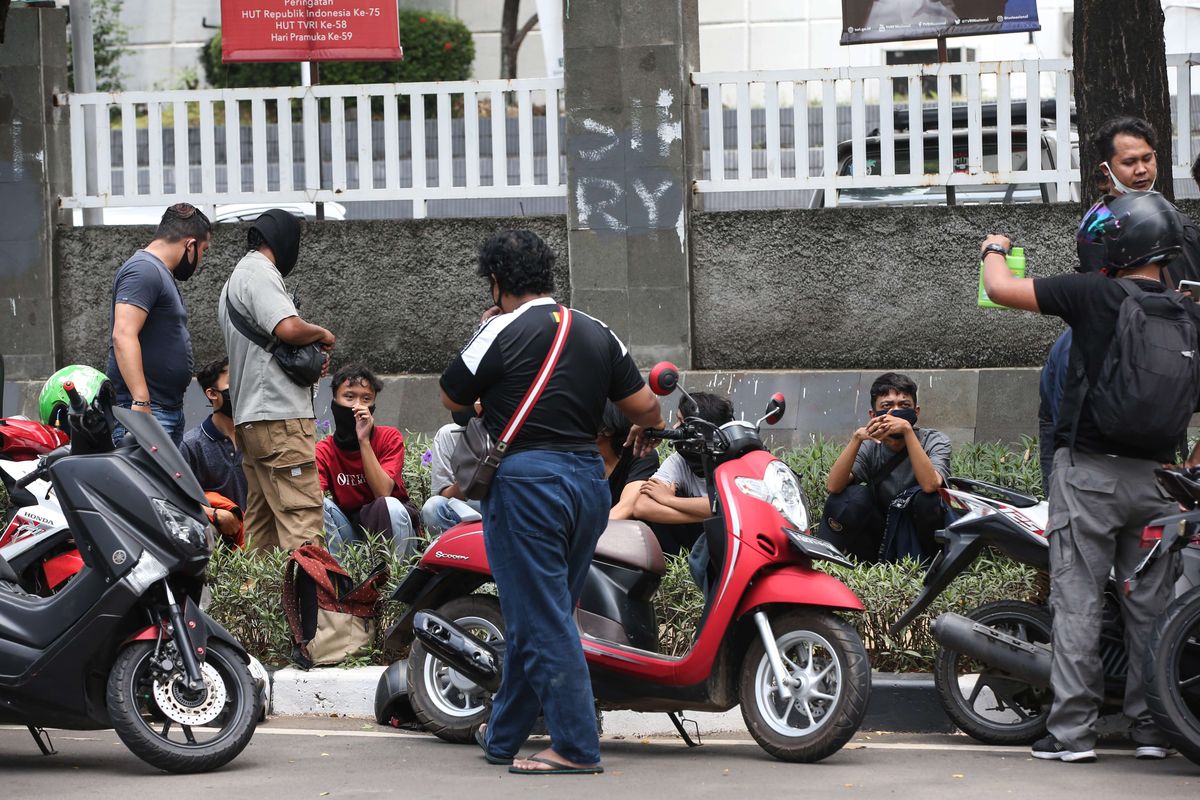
[(310, 30)]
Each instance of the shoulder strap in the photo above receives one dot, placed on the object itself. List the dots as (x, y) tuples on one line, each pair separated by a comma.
[(890, 466), (291, 607), (245, 328), (1129, 285), (539, 383)]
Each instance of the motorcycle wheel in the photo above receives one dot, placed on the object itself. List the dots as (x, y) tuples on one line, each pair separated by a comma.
[(827, 656), (992, 707), (173, 729), (1172, 674), (446, 703)]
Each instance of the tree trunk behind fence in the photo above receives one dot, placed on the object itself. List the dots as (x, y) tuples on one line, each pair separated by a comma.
[(1120, 69)]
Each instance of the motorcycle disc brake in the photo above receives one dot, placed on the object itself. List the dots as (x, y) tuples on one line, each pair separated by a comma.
[(187, 707)]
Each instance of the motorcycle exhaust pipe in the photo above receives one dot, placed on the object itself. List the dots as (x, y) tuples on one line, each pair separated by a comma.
[(1028, 661), (474, 658)]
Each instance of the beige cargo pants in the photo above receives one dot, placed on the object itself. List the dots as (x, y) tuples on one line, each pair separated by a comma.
[(283, 493)]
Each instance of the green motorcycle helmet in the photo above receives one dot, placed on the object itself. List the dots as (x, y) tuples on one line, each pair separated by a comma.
[(53, 401)]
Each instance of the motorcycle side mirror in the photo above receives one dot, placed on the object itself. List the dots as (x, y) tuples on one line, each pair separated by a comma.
[(775, 408), (663, 378)]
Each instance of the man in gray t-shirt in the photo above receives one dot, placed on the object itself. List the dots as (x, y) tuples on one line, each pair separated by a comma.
[(883, 488), (150, 350), (273, 415)]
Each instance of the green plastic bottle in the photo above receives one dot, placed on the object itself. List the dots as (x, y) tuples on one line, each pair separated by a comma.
[(1016, 264)]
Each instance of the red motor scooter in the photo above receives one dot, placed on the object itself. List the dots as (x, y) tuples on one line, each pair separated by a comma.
[(34, 539), (769, 638)]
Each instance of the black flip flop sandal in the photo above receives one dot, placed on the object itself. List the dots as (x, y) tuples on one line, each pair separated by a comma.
[(556, 768), (482, 742)]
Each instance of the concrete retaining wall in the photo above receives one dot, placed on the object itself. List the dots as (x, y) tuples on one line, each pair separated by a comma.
[(837, 289), (863, 288), (400, 296)]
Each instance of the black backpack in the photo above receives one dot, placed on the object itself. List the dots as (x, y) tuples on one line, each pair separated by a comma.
[(1149, 382)]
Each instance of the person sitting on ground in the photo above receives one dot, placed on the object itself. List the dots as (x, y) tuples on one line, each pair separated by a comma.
[(884, 503), (447, 505), (626, 472), (211, 451), (675, 500), (360, 466)]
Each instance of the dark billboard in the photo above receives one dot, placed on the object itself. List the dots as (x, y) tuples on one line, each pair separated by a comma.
[(865, 21)]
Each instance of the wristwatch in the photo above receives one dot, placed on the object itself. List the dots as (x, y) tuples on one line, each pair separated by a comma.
[(995, 247), (140, 403)]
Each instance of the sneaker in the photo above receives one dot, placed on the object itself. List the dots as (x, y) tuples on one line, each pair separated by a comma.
[(1050, 749), (1152, 752)]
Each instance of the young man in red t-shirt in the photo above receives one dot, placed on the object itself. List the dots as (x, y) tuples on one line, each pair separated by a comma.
[(360, 467)]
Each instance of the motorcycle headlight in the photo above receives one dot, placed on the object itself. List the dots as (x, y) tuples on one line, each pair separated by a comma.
[(179, 525), (780, 488)]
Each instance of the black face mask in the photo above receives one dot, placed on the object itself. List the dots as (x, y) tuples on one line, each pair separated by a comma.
[(187, 265), (345, 434), (909, 415), (226, 404), (694, 461)]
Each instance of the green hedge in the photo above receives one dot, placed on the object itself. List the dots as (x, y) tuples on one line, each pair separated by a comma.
[(436, 48), (246, 586)]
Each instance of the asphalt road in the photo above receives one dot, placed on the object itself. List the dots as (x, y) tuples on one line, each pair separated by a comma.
[(295, 759)]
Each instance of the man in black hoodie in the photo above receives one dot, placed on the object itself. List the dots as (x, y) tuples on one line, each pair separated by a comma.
[(273, 415)]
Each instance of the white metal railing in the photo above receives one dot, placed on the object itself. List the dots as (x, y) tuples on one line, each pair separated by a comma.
[(347, 168), (1023, 154)]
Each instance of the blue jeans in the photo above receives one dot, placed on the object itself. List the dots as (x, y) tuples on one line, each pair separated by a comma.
[(341, 530), (439, 514), (541, 521), (170, 418)]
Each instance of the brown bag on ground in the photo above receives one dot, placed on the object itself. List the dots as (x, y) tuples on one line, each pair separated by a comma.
[(330, 618)]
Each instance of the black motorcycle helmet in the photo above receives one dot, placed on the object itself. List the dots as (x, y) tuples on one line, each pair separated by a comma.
[(1093, 257), (1144, 229), (281, 231)]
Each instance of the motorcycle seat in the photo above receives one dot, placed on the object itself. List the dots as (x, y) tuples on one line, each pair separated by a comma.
[(632, 544)]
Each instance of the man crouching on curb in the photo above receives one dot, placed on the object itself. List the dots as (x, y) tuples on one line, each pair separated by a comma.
[(884, 503), (1133, 382)]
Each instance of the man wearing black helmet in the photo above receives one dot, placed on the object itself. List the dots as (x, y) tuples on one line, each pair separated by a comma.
[(273, 415), (1133, 383)]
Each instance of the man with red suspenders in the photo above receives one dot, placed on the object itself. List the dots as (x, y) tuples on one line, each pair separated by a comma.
[(549, 500)]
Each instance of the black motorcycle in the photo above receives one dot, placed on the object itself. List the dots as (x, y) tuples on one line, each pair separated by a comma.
[(992, 670), (1172, 670), (124, 644)]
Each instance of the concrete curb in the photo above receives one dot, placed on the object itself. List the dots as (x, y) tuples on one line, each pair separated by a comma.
[(899, 702), (330, 691)]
